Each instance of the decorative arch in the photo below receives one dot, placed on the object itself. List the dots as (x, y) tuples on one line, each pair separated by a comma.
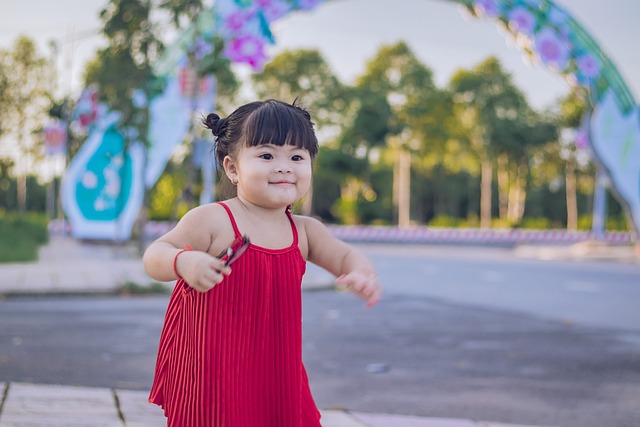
[(546, 32)]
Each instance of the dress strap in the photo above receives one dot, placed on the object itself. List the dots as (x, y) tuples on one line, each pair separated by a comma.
[(233, 220), (293, 226)]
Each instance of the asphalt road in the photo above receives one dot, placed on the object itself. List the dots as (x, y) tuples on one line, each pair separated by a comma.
[(460, 333), (596, 293)]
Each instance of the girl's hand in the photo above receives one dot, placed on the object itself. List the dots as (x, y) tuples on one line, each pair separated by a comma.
[(200, 270), (362, 283)]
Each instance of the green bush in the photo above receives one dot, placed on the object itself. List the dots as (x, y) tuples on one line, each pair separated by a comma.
[(613, 223), (133, 288), (21, 235), (540, 223), (445, 221)]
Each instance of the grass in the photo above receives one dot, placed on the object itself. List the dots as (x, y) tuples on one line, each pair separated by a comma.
[(154, 288), (21, 235)]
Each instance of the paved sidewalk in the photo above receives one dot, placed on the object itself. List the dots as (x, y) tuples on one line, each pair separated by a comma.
[(33, 405)]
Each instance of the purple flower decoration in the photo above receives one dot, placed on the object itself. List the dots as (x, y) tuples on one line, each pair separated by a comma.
[(308, 4), (582, 139), (244, 25), (488, 8), (553, 50), (236, 21), (273, 9), (247, 48), (201, 48), (520, 19), (589, 66)]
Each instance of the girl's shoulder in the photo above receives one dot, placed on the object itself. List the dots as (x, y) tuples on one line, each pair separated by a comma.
[(304, 222), (311, 231), (206, 227), (204, 215)]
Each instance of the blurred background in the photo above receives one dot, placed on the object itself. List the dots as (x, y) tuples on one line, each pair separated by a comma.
[(396, 93), (466, 160)]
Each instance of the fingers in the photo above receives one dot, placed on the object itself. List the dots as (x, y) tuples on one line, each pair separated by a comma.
[(365, 285), (207, 273)]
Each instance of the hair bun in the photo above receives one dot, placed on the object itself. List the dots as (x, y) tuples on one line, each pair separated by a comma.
[(214, 123)]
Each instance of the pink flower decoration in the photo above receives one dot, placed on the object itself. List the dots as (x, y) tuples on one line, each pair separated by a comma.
[(520, 19), (589, 66), (488, 8), (247, 48), (553, 50)]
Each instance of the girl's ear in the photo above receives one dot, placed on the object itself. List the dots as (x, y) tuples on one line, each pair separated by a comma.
[(230, 169)]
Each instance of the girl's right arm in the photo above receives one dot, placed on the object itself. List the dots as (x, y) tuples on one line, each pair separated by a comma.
[(166, 260)]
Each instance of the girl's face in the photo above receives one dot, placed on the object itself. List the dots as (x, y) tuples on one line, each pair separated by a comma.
[(270, 176)]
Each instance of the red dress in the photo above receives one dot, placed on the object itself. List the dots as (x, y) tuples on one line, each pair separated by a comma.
[(232, 357)]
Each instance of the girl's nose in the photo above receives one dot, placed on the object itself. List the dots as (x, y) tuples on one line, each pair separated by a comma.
[(283, 167)]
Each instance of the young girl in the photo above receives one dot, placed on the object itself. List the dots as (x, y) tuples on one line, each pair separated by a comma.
[(230, 351)]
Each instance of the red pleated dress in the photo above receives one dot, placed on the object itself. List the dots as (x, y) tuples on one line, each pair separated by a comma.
[(232, 357)]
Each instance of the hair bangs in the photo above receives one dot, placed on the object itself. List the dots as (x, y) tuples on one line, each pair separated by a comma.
[(280, 124)]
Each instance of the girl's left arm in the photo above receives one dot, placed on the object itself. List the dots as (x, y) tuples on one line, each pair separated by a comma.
[(354, 270)]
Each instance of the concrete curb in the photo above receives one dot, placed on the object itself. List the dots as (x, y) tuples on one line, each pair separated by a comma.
[(583, 251), (42, 405)]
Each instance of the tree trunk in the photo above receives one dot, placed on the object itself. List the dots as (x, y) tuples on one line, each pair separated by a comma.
[(523, 174), (21, 180), (571, 193), (485, 193), (517, 195), (404, 188), (22, 191), (503, 186), (396, 188)]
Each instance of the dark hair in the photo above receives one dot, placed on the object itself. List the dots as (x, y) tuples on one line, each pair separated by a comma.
[(262, 122)]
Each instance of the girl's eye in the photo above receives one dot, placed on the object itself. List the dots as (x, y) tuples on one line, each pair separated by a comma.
[(296, 158), (266, 156)]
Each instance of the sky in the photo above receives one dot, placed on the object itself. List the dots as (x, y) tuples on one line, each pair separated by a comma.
[(348, 33)]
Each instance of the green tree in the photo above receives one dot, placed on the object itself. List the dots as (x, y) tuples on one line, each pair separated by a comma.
[(572, 110), (516, 137), (368, 123), (4, 92), (400, 108), (487, 104), (26, 85), (561, 160), (182, 12), (124, 66)]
